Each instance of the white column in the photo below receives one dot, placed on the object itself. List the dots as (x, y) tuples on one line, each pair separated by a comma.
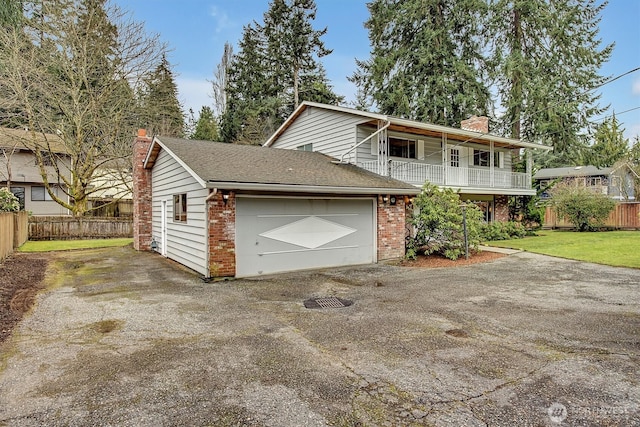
[(491, 163), (445, 165)]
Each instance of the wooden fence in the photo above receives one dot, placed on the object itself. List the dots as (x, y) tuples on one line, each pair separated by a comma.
[(13, 232), (68, 228), (626, 216)]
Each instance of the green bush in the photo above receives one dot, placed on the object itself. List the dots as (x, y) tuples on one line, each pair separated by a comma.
[(438, 224), (585, 209), (502, 231), (8, 201)]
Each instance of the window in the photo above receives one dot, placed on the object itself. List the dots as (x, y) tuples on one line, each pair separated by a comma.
[(305, 147), (454, 157), (180, 207), (594, 181), (40, 194), (19, 193), (482, 158), (405, 148)]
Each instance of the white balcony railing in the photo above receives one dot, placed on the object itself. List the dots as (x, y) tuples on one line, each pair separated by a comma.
[(417, 173)]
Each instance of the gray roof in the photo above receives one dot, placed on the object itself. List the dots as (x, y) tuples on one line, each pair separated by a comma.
[(22, 139), (572, 171), (217, 162)]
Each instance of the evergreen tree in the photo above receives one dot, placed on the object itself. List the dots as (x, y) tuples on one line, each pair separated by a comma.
[(426, 60), (609, 145), (545, 61), (206, 128), (10, 13), (275, 69), (250, 94), (162, 110), (294, 47)]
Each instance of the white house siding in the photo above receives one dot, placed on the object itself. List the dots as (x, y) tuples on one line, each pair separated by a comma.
[(367, 151), (330, 132), (186, 241)]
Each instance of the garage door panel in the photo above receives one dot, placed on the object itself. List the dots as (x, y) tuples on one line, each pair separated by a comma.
[(274, 235)]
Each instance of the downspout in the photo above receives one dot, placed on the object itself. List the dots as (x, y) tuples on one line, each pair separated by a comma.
[(383, 128)]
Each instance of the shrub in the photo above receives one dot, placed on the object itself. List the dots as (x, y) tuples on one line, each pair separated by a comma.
[(8, 201), (502, 231), (527, 210), (438, 224), (585, 209)]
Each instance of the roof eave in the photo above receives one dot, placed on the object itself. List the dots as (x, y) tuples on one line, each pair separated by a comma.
[(153, 152), (314, 189), (403, 122), (306, 104)]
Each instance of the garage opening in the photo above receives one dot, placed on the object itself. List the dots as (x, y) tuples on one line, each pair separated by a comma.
[(276, 234)]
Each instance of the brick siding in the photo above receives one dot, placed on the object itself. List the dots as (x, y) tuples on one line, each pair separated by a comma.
[(391, 229), (502, 208), (476, 124), (222, 235), (142, 215)]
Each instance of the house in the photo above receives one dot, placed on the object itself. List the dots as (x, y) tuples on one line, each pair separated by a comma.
[(111, 194), (19, 168), (238, 210), (469, 160), (110, 186), (616, 182)]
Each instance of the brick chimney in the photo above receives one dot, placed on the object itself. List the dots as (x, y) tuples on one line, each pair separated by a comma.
[(141, 193), (476, 124)]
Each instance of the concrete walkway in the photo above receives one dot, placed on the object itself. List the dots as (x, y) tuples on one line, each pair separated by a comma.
[(496, 249)]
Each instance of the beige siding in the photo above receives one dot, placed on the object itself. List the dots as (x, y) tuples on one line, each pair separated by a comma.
[(24, 168), (25, 174), (330, 132), (186, 241)]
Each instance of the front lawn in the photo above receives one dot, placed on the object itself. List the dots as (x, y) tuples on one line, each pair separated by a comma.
[(65, 245), (617, 248)]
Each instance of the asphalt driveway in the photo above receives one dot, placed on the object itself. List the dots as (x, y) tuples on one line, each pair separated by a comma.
[(130, 339)]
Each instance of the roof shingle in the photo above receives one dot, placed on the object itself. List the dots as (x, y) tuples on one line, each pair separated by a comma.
[(221, 162)]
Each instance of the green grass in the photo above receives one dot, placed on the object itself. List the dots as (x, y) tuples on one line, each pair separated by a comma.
[(66, 245), (617, 248)]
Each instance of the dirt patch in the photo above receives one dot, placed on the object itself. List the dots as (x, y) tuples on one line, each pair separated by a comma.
[(21, 277), (436, 261)]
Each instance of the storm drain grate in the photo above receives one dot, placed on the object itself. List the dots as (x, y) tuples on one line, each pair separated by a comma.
[(328, 302)]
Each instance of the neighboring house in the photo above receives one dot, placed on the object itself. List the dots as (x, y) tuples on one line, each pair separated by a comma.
[(111, 194), (469, 160), (238, 210), (616, 182), (19, 167)]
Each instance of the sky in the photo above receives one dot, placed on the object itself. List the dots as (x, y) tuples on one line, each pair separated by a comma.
[(196, 31)]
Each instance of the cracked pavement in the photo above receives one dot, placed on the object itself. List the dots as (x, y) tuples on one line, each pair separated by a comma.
[(126, 338)]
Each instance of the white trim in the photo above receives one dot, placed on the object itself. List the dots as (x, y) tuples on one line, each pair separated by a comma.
[(406, 123), (156, 140), (420, 149), (164, 212), (295, 188)]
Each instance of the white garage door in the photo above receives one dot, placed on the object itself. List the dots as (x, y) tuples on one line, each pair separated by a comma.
[(285, 234)]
